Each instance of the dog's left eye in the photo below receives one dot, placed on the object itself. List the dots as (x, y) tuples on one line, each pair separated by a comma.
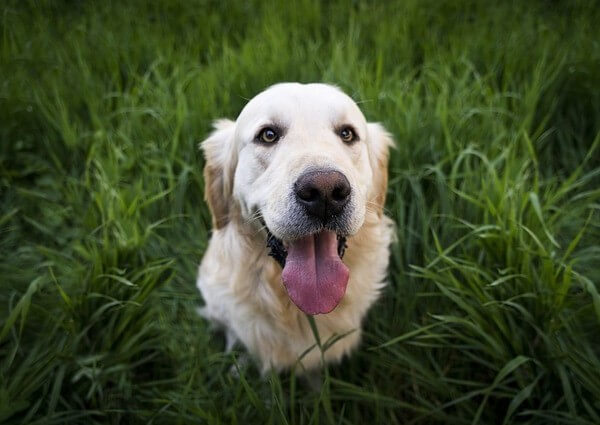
[(347, 135), (268, 135)]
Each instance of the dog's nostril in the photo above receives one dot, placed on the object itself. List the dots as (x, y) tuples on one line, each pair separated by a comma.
[(340, 193), (308, 194)]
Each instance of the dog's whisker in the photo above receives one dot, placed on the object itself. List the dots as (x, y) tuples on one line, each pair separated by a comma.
[(254, 217), (250, 220), (261, 228), (377, 207)]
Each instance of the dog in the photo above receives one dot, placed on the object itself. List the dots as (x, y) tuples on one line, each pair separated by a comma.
[(296, 187)]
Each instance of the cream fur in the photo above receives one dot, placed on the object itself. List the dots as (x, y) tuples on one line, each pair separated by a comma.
[(240, 283)]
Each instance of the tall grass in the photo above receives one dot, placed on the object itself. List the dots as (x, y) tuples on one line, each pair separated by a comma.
[(492, 313)]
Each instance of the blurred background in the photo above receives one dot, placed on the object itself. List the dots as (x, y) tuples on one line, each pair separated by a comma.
[(492, 312)]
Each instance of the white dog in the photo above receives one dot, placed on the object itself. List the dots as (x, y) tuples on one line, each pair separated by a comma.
[(296, 187)]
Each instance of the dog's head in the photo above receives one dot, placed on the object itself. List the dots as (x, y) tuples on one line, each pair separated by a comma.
[(302, 161)]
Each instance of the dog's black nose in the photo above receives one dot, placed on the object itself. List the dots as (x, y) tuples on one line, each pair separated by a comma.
[(323, 193)]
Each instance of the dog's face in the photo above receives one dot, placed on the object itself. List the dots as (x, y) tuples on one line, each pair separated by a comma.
[(302, 161), (294, 138)]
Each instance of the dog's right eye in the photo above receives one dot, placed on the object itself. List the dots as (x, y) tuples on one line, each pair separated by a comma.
[(268, 135)]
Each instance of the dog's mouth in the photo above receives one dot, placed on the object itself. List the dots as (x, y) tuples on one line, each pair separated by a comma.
[(313, 272)]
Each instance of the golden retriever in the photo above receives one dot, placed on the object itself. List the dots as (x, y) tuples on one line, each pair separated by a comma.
[(296, 187)]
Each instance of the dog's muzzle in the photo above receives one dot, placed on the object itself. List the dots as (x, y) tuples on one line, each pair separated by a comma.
[(313, 272)]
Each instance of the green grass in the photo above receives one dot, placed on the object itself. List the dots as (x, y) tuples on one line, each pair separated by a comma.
[(492, 314)]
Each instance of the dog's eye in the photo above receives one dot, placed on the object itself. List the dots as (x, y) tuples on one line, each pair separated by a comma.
[(268, 135), (347, 135)]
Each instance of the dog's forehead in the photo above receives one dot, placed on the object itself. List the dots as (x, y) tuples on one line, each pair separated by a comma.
[(287, 102)]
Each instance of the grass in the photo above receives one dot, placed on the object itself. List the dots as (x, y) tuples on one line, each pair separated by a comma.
[(492, 314)]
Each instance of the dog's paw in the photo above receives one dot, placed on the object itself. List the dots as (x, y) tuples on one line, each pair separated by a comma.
[(214, 324), (313, 380), (241, 365), (203, 312), (230, 340)]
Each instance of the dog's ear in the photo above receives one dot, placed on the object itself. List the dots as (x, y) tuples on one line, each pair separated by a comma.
[(220, 162), (380, 142)]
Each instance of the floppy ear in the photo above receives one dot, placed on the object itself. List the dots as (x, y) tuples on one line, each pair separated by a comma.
[(380, 142), (220, 162)]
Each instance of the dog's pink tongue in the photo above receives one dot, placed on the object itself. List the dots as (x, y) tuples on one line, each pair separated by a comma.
[(314, 275)]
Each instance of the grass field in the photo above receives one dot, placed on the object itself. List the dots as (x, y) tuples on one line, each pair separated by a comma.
[(492, 314)]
